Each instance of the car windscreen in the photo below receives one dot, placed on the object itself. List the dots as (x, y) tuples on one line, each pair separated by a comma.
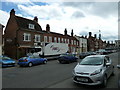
[(5, 58), (63, 55), (92, 61)]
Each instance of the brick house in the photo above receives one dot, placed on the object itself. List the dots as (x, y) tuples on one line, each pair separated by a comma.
[(95, 43), (72, 42), (1, 41), (24, 35), (19, 35), (82, 43)]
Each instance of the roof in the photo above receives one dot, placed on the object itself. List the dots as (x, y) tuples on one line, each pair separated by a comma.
[(57, 34), (23, 23)]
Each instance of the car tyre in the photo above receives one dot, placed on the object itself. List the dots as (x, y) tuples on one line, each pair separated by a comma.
[(113, 72), (104, 83), (30, 64), (61, 62), (45, 62)]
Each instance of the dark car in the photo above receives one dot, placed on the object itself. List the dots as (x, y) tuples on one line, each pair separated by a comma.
[(6, 61), (31, 60), (83, 55), (67, 58), (92, 53)]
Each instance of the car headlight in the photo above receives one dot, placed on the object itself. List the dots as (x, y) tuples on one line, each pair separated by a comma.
[(96, 72)]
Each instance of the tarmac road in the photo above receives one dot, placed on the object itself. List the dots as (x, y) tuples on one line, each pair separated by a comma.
[(50, 75)]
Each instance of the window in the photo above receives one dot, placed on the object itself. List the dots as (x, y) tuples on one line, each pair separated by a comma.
[(58, 40), (50, 39), (62, 40), (65, 41), (68, 41), (37, 38), (55, 39), (72, 42), (26, 37), (31, 26), (45, 38)]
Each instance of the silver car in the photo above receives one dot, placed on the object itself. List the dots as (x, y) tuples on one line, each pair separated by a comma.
[(93, 70)]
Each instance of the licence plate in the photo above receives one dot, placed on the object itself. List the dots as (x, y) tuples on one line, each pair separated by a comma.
[(82, 79)]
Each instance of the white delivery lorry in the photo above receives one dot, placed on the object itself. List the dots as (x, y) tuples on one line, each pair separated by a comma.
[(52, 50)]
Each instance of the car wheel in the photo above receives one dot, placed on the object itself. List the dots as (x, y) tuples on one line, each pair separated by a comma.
[(104, 83), (30, 64), (45, 62), (61, 62), (113, 72)]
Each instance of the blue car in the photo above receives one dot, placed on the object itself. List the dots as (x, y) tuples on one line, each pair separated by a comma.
[(6, 61), (31, 60), (67, 58)]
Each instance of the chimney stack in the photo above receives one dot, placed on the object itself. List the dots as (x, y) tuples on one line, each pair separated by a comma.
[(12, 12), (90, 34), (36, 19), (95, 35), (48, 28), (72, 33), (65, 32)]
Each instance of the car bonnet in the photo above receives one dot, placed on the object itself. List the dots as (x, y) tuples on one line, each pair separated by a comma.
[(87, 68)]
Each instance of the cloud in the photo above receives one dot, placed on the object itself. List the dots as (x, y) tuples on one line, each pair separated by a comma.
[(43, 12), (78, 14), (4, 17), (102, 9), (81, 17)]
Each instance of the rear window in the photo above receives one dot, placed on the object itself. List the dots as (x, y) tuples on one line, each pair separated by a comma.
[(24, 58)]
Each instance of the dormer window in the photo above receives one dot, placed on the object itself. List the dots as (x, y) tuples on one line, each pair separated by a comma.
[(31, 26)]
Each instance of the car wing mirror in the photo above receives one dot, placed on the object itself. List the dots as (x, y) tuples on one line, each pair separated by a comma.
[(108, 64), (118, 66)]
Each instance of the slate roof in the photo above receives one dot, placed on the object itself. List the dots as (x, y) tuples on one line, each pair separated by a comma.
[(23, 23)]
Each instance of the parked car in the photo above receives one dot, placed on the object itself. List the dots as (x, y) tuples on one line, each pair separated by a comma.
[(67, 58), (92, 53), (83, 55), (31, 60), (102, 52), (93, 70), (6, 61), (118, 66)]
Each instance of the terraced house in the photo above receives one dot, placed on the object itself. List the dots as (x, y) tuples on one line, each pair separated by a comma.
[(23, 35)]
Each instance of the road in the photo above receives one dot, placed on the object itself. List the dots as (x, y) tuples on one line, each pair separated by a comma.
[(50, 75)]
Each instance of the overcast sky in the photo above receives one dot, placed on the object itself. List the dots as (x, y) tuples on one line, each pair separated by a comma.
[(82, 17)]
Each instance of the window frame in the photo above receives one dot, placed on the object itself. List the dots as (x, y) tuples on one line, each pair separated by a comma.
[(26, 37)]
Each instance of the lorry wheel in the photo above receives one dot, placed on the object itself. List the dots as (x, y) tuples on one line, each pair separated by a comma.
[(30, 64)]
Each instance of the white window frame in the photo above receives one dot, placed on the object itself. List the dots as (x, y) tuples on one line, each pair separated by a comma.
[(28, 35), (68, 41), (72, 42), (62, 40), (45, 38), (31, 26), (65, 40), (55, 39), (37, 38), (58, 40), (50, 39)]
